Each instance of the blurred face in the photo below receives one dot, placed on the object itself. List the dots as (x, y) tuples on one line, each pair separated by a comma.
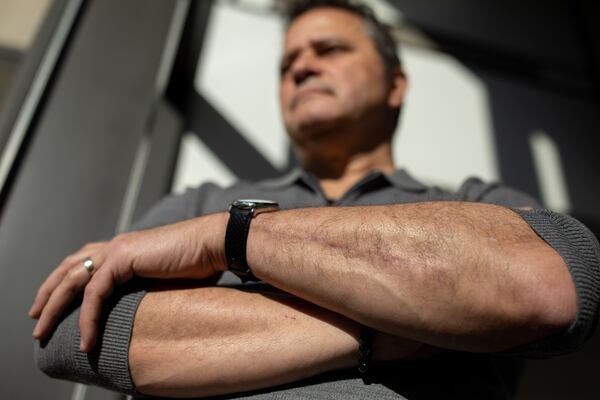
[(331, 74)]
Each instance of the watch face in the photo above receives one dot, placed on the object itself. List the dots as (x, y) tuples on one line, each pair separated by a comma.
[(249, 204)]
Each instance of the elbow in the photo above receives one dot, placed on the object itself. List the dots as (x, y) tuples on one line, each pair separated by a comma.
[(538, 301), (53, 362), (554, 317), (569, 300), (44, 361), (59, 357), (552, 305), (55, 356)]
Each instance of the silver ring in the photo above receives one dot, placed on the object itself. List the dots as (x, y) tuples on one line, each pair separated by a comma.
[(88, 264)]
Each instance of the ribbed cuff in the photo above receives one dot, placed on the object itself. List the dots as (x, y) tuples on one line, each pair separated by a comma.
[(580, 250), (107, 365)]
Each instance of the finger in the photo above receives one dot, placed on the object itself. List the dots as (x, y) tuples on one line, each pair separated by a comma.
[(60, 298), (57, 276), (96, 292), (92, 245), (52, 282), (48, 286)]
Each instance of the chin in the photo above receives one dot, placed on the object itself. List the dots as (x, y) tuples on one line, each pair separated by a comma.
[(314, 130), (308, 123)]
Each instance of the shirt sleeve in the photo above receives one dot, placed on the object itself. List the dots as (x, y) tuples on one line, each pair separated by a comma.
[(107, 365), (573, 241)]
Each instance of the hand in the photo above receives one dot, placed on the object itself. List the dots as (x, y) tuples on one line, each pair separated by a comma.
[(190, 249)]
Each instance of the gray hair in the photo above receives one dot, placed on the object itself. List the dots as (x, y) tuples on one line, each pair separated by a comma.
[(380, 34)]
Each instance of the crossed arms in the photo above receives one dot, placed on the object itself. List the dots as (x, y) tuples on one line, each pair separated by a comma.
[(462, 276), (206, 341)]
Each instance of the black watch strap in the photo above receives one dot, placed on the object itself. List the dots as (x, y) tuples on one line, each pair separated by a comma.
[(241, 213), (236, 238)]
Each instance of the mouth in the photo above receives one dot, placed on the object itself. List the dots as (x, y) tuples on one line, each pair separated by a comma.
[(307, 92)]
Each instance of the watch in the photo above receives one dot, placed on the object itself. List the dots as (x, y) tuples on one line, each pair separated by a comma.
[(241, 213)]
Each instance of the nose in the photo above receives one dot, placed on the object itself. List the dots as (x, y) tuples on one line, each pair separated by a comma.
[(304, 67)]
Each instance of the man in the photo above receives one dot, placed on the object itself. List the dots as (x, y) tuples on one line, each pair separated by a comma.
[(440, 289)]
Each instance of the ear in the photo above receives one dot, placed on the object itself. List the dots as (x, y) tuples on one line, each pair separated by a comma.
[(398, 87)]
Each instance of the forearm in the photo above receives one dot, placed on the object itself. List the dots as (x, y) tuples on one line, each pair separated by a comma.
[(457, 275), (207, 341)]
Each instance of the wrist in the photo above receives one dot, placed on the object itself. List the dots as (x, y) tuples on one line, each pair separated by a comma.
[(257, 237), (213, 229)]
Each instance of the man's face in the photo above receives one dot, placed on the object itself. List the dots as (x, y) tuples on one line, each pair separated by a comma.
[(331, 73)]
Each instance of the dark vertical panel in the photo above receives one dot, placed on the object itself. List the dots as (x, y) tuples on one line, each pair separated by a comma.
[(519, 108), (70, 186), (15, 97), (181, 85), (33, 83), (158, 176), (585, 15), (10, 60)]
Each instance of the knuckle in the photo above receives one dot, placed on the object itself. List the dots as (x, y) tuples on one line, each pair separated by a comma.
[(93, 291), (93, 297), (120, 243), (71, 276), (42, 293), (70, 283), (66, 290), (121, 248), (90, 290), (71, 290)]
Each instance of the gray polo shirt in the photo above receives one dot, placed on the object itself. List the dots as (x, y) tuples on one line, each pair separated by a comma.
[(451, 374)]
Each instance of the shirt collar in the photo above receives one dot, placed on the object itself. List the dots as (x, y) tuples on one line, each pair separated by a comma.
[(399, 178), (402, 179), (286, 180)]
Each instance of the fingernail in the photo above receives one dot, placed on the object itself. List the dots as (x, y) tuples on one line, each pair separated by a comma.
[(82, 346)]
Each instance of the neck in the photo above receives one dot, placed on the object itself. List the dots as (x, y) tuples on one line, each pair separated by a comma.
[(337, 172)]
